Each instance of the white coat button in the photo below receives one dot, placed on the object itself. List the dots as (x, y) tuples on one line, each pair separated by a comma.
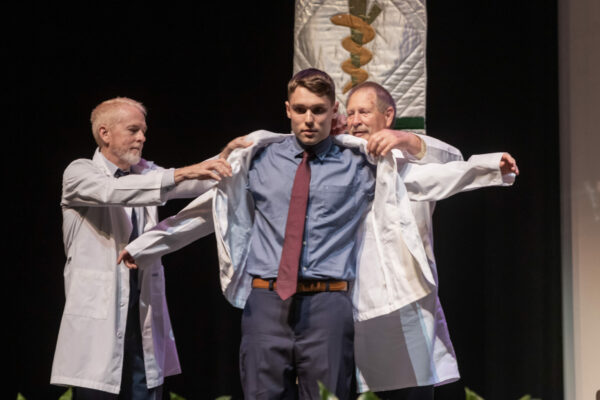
[(119, 335)]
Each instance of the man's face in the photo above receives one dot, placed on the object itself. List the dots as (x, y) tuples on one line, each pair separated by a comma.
[(310, 114), (125, 139), (364, 118)]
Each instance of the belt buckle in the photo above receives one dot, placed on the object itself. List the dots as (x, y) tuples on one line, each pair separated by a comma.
[(310, 286)]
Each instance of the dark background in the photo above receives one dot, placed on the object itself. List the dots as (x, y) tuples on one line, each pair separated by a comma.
[(210, 72)]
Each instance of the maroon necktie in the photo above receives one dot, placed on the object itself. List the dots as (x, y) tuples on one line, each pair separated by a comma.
[(287, 277)]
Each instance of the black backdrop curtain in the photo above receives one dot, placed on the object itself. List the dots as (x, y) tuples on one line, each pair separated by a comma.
[(216, 70)]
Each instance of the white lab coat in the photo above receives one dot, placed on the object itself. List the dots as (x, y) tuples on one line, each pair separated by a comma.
[(393, 269), (96, 227), (411, 346)]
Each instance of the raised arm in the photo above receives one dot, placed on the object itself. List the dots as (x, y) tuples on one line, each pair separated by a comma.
[(85, 184), (194, 180), (421, 149), (383, 141)]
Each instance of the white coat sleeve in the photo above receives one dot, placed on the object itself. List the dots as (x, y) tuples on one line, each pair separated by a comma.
[(433, 182), (192, 223), (84, 184), (191, 187), (438, 151), (188, 189)]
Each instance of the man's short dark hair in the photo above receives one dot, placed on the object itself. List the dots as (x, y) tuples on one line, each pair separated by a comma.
[(315, 81), (384, 98)]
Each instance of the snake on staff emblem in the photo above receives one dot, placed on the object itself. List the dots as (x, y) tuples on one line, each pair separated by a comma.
[(361, 33)]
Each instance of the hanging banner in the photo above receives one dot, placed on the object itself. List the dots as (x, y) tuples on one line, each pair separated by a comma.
[(359, 40)]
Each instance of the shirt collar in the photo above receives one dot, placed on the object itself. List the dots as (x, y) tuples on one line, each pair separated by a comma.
[(320, 149), (112, 168)]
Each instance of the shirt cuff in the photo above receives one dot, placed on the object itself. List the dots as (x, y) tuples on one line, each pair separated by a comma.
[(509, 179), (168, 180), (421, 153)]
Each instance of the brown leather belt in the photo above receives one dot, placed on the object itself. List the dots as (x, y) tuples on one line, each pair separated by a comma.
[(304, 286)]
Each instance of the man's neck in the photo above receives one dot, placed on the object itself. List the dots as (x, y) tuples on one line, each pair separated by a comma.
[(317, 148)]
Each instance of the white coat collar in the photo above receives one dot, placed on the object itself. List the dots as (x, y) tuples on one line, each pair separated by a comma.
[(140, 168)]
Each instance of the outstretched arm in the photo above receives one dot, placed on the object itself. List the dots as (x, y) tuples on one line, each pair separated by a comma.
[(171, 234), (432, 182)]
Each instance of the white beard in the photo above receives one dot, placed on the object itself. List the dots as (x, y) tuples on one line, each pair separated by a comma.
[(131, 158)]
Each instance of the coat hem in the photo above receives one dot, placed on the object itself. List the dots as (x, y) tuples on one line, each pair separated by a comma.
[(84, 383), (388, 308), (440, 382)]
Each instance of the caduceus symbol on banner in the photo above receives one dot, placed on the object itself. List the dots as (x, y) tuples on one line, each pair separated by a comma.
[(361, 32)]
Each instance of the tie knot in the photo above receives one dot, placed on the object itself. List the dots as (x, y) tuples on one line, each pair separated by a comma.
[(307, 155), (119, 173)]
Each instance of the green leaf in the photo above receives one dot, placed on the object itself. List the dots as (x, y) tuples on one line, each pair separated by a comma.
[(526, 397), (175, 396), (223, 398), (68, 395), (325, 394), (20, 396), (368, 396), (471, 395)]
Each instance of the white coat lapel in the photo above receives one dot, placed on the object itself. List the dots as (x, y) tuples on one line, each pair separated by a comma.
[(118, 212)]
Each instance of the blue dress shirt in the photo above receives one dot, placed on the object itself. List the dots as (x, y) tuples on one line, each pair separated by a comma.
[(342, 186)]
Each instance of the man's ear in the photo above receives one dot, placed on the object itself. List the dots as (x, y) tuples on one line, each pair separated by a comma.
[(104, 135), (288, 110), (389, 117), (335, 107)]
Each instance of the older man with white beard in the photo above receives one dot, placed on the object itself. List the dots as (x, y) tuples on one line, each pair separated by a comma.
[(115, 338)]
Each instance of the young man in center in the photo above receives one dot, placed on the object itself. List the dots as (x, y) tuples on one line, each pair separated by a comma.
[(309, 333)]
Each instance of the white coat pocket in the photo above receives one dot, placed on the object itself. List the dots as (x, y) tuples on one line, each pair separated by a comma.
[(88, 293)]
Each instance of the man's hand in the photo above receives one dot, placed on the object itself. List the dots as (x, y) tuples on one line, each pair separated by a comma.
[(338, 124), (508, 165), (209, 169), (127, 259), (380, 143), (239, 142)]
